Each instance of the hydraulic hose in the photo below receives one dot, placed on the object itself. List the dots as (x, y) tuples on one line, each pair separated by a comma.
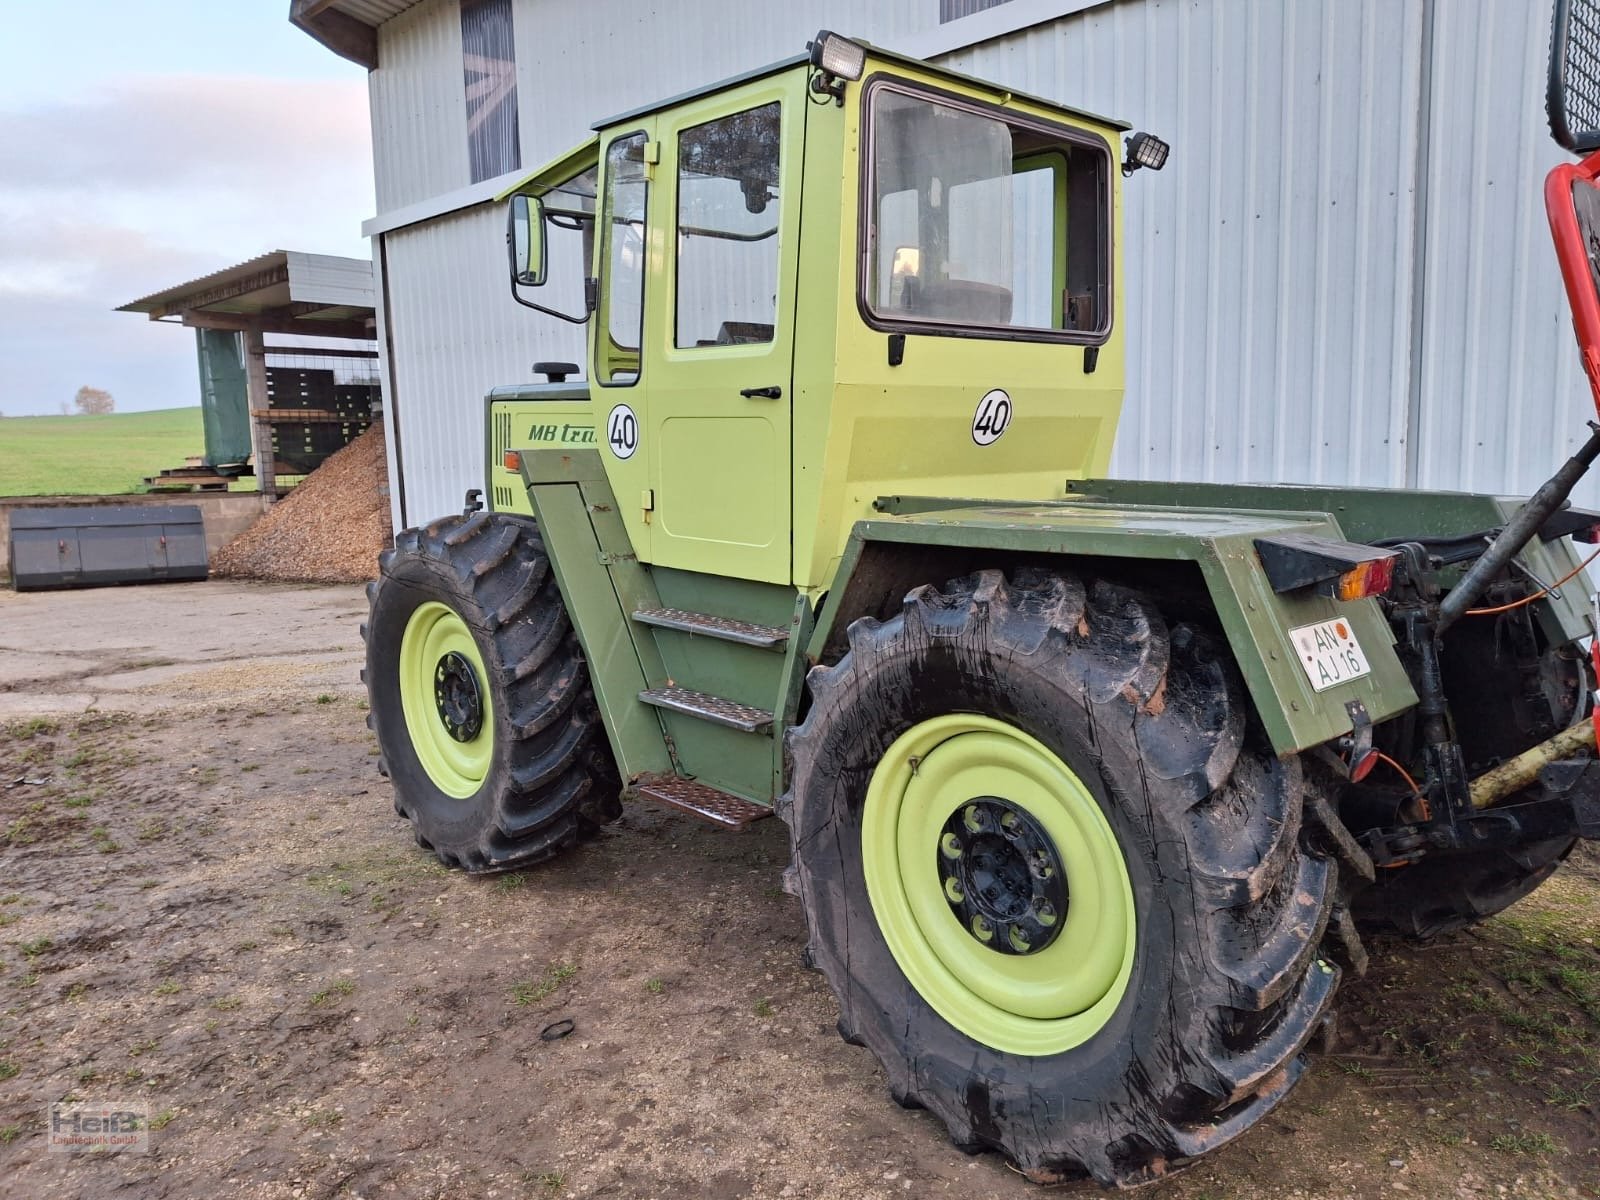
[(1519, 531)]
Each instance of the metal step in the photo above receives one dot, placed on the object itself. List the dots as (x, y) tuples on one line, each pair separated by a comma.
[(767, 637), (710, 708), (700, 800)]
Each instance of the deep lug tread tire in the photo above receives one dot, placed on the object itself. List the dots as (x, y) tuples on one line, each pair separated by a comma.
[(1228, 986), (551, 778), (1450, 892)]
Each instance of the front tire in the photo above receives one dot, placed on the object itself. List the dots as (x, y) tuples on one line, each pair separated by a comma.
[(480, 696), (1076, 716)]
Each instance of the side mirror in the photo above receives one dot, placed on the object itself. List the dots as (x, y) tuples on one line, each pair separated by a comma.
[(1572, 95), (525, 237), (526, 244)]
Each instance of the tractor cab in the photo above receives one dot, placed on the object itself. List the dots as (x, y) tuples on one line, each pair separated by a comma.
[(845, 275)]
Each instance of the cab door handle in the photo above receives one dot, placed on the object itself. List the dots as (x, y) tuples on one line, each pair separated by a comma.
[(762, 393)]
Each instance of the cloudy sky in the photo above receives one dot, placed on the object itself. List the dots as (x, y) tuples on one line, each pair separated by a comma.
[(142, 144)]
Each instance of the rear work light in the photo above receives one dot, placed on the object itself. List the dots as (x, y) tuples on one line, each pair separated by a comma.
[(1342, 570), (1145, 150), (837, 56)]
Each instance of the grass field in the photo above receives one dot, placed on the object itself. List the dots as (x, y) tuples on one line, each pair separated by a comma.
[(82, 455)]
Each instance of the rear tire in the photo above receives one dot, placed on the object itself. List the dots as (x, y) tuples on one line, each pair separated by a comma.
[(480, 696), (1223, 986), (1444, 894)]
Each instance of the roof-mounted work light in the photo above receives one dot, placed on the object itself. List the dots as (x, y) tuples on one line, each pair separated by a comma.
[(1145, 150), (837, 60)]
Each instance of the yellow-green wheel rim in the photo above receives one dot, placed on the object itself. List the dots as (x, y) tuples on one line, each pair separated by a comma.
[(1037, 1004), (456, 768)]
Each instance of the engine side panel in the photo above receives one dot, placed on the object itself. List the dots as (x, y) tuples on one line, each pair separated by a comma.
[(551, 416)]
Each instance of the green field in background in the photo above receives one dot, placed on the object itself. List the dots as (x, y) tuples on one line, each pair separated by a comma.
[(84, 455)]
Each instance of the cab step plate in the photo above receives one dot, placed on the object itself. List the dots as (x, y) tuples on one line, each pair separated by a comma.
[(767, 637), (700, 800), (714, 709)]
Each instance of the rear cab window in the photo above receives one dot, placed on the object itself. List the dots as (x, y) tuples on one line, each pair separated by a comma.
[(980, 222)]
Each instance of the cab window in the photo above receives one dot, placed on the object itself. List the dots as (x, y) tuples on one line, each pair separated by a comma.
[(622, 228), (983, 224), (727, 236)]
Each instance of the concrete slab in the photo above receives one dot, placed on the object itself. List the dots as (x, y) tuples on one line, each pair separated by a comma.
[(153, 647)]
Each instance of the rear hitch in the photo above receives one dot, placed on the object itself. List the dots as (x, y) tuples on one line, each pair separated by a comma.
[(1567, 805)]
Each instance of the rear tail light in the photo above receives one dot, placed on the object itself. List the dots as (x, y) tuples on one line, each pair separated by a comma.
[(1343, 570), (1371, 578)]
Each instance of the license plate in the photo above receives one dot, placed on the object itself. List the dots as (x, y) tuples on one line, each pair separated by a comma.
[(1329, 653)]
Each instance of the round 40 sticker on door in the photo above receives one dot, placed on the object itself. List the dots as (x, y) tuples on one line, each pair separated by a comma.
[(622, 431), (992, 418)]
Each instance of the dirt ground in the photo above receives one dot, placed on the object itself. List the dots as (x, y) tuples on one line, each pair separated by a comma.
[(207, 905)]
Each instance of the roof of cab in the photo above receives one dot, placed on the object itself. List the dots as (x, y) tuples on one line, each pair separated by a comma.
[(574, 161), (999, 90)]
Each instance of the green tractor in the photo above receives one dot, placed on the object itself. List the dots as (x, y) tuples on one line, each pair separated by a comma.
[(1093, 787)]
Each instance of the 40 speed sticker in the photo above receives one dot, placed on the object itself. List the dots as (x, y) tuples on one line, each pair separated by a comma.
[(992, 417), (622, 431)]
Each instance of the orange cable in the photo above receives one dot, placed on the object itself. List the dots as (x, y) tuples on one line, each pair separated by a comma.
[(1416, 792), (1540, 594)]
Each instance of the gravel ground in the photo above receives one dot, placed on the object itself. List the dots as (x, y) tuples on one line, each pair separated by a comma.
[(208, 907)]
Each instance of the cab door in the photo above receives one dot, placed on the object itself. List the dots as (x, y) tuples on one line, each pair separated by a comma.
[(719, 342)]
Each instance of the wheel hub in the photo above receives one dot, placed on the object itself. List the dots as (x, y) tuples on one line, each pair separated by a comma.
[(457, 697), (1002, 876)]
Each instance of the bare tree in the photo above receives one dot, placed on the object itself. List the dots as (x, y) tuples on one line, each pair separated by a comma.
[(94, 400)]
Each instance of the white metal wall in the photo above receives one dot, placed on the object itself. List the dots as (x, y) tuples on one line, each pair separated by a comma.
[(604, 57), (419, 107), (1266, 268), (455, 332), (578, 63), (1502, 396), (1275, 331)]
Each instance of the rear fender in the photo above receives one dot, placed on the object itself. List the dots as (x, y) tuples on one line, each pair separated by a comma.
[(1193, 560)]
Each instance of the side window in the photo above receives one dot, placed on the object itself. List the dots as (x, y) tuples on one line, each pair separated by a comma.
[(1030, 263), (623, 259), (727, 237), (1036, 237)]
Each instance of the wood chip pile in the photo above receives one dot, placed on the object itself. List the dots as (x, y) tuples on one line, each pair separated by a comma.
[(328, 530)]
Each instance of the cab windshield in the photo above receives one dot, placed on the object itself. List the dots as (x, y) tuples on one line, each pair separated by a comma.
[(983, 224)]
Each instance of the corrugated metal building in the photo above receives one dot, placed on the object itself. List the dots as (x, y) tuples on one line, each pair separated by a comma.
[(1342, 275)]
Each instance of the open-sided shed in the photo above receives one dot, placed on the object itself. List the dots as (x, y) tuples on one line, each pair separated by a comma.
[(291, 413)]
